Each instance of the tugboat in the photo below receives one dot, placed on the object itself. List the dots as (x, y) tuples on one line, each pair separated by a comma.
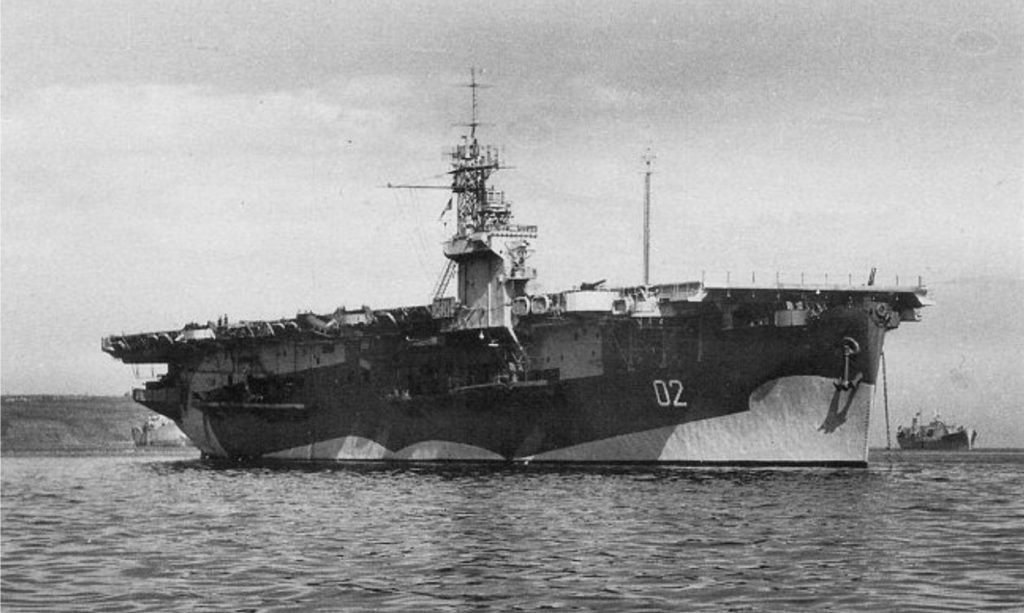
[(937, 435), (689, 372)]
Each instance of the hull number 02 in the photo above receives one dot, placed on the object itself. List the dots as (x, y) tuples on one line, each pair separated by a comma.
[(669, 393)]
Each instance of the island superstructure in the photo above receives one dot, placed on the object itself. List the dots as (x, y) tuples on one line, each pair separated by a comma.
[(687, 372)]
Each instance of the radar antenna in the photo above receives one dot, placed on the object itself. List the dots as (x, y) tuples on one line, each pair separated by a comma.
[(474, 85)]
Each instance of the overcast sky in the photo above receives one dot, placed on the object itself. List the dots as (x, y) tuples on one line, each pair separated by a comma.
[(168, 162)]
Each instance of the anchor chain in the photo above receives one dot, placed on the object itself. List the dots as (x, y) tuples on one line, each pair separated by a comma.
[(850, 348)]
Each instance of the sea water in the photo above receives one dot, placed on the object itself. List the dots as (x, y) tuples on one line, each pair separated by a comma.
[(145, 532)]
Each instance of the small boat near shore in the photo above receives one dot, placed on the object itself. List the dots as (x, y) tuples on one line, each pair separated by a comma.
[(159, 431), (936, 435)]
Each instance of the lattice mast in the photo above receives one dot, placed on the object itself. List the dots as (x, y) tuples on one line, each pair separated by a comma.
[(489, 250), (479, 207)]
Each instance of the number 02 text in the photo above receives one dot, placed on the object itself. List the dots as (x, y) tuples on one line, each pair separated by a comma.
[(669, 393)]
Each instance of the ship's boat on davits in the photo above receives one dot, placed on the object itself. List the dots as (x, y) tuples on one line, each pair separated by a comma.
[(689, 372)]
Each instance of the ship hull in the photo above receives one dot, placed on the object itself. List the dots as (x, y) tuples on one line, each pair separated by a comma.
[(956, 441), (741, 396), (789, 423), (800, 420)]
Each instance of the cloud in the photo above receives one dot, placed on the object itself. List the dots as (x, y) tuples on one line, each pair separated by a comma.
[(160, 119), (146, 206), (976, 43)]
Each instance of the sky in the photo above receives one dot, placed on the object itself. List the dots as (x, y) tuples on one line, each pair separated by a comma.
[(169, 162)]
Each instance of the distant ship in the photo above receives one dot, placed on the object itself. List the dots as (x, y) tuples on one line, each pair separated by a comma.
[(691, 372), (937, 435), (159, 431)]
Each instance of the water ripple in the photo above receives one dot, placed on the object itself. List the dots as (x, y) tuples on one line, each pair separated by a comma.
[(125, 533)]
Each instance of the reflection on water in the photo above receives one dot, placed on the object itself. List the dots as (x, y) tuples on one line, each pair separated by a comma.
[(134, 533)]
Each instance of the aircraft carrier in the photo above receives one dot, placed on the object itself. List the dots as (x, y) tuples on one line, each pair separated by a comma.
[(692, 372)]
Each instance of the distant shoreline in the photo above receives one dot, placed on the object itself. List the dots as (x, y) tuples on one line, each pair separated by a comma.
[(184, 452), (70, 425)]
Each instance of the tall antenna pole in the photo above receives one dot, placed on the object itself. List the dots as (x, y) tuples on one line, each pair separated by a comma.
[(648, 157), (473, 85)]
